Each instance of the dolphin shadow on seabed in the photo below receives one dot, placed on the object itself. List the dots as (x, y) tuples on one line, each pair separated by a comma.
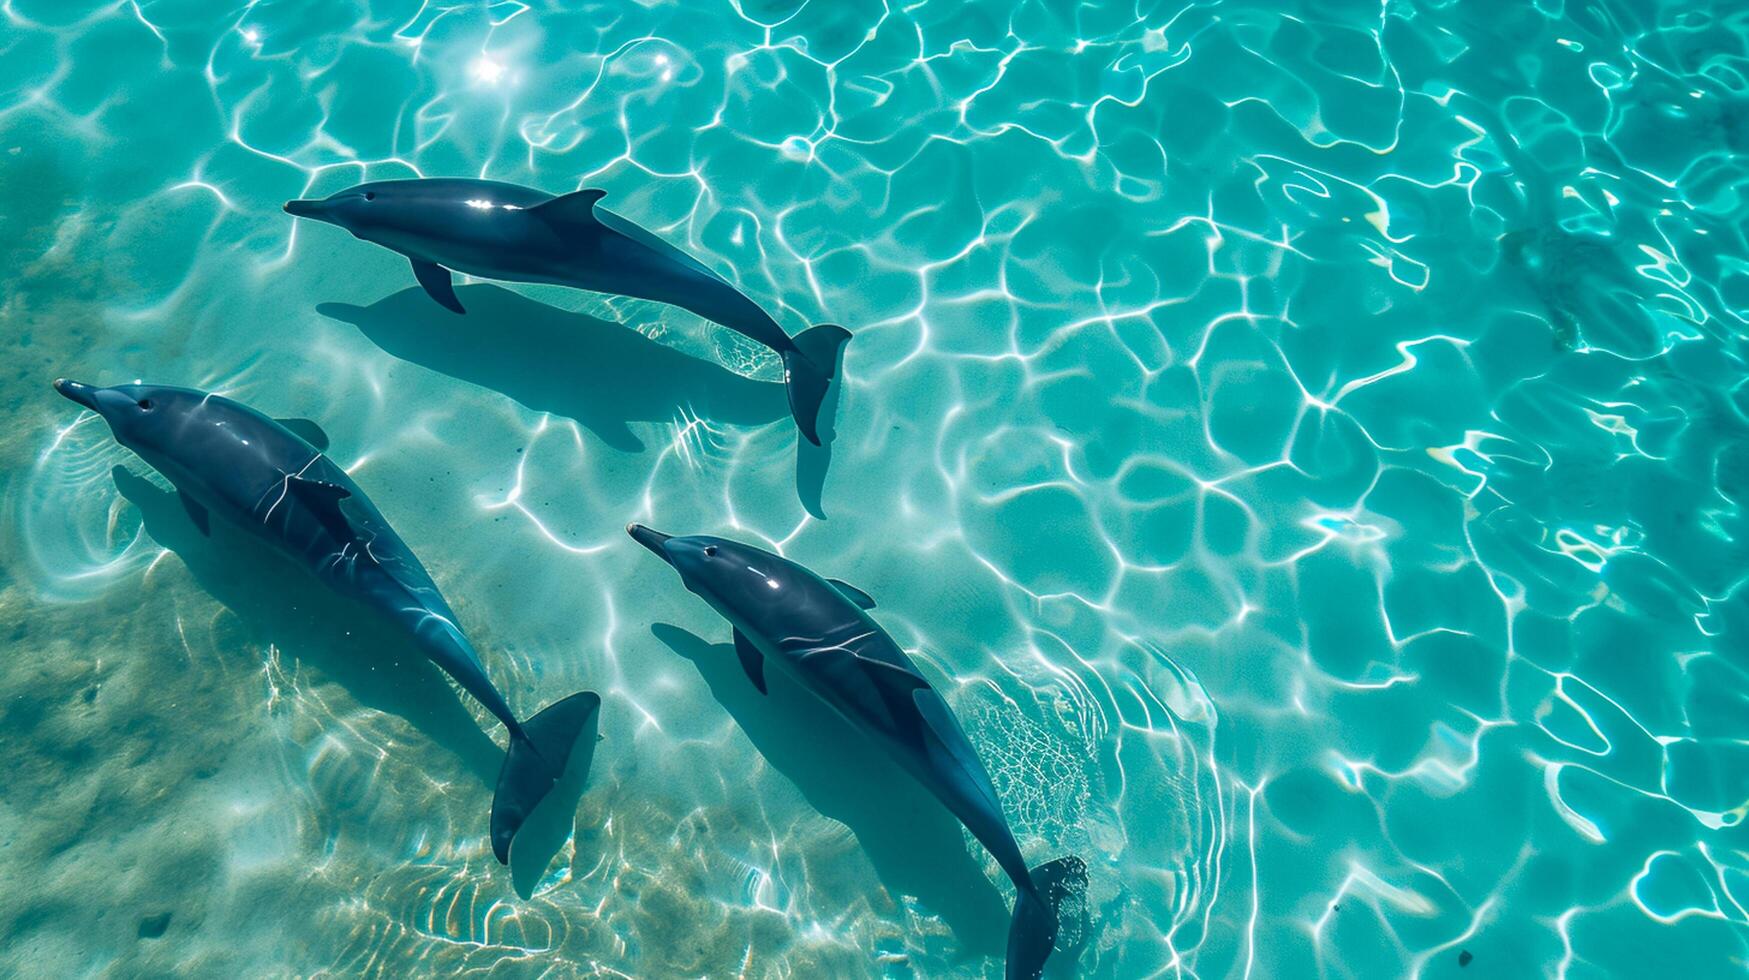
[(601, 374), (379, 665), (916, 846)]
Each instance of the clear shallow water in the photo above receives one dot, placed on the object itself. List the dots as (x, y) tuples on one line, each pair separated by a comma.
[(1307, 443)]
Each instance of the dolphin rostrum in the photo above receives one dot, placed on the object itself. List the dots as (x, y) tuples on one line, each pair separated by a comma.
[(271, 477), (493, 230), (819, 632)]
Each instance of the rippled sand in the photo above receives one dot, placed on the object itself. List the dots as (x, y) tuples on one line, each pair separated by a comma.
[(1306, 443)]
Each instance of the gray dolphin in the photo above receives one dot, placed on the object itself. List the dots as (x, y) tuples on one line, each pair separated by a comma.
[(493, 230), (270, 477), (818, 631)]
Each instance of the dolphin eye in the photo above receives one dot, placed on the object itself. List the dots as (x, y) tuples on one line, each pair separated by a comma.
[(145, 404), (370, 195), (710, 551)]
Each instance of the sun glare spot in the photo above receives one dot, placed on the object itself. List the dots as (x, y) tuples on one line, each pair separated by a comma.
[(485, 69)]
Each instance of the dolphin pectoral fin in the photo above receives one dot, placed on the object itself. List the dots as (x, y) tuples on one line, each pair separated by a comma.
[(752, 661), (197, 514), (438, 285), (862, 599), (574, 208), (308, 431), (323, 500)]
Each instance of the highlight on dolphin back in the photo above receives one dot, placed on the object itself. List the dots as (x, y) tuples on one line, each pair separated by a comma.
[(819, 632), (493, 230), (272, 478)]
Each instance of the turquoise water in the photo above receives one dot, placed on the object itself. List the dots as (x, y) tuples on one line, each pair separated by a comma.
[(1306, 442)]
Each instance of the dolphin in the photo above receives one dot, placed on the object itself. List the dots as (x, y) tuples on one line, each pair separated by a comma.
[(271, 477), (493, 230), (818, 631)]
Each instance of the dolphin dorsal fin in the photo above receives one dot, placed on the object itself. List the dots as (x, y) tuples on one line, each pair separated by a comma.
[(574, 208), (862, 599), (323, 500), (308, 431)]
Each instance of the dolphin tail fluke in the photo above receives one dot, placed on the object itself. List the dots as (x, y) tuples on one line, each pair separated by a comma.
[(1032, 934), (808, 373), (538, 753)]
